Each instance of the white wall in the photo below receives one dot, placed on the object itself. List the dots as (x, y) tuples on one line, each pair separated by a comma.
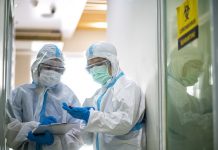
[(82, 39), (132, 27), (22, 69)]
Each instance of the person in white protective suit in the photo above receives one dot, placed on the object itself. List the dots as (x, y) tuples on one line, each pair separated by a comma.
[(189, 128), (114, 118), (40, 103)]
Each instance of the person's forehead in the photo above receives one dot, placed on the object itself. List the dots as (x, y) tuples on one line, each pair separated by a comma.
[(95, 60)]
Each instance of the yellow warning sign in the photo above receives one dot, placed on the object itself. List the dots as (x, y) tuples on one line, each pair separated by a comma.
[(187, 21)]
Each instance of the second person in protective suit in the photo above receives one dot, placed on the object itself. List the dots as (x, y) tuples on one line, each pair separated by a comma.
[(39, 103), (189, 128), (114, 116)]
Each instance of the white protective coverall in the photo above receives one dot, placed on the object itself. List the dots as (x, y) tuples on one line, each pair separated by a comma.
[(188, 127), (118, 121), (27, 101)]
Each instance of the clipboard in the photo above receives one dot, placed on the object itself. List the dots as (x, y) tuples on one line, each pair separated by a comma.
[(56, 128)]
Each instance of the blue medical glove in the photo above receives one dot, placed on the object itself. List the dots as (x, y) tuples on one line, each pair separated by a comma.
[(46, 138), (78, 112), (47, 120)]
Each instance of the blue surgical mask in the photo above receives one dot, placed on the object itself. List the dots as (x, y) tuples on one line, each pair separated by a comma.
[(100, 74)]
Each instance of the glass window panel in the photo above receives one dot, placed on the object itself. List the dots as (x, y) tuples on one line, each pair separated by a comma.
[(189, 82)]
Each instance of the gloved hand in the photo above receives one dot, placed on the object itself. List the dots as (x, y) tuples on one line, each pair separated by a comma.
[(78, 112), (43, 139), (47, 120)]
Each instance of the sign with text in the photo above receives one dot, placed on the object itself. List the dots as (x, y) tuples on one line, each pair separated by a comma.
[(187, 21)]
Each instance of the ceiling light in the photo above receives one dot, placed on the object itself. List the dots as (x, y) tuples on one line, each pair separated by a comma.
[(101, 25), (102, 7)]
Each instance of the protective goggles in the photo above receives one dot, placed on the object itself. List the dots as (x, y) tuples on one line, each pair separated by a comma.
[(104, 62), (50, 67)]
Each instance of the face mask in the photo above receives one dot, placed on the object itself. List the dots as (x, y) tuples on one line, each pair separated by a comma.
[(100, 74), (49, 78)]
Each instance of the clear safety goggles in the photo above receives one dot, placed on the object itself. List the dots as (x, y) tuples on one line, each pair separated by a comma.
[(50, 67), (104, 62)]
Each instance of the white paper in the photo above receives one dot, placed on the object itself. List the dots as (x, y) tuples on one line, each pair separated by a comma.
[(57, 128)]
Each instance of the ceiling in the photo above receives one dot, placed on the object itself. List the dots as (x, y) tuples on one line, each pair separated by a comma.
[(94, 15), (56, 19)]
